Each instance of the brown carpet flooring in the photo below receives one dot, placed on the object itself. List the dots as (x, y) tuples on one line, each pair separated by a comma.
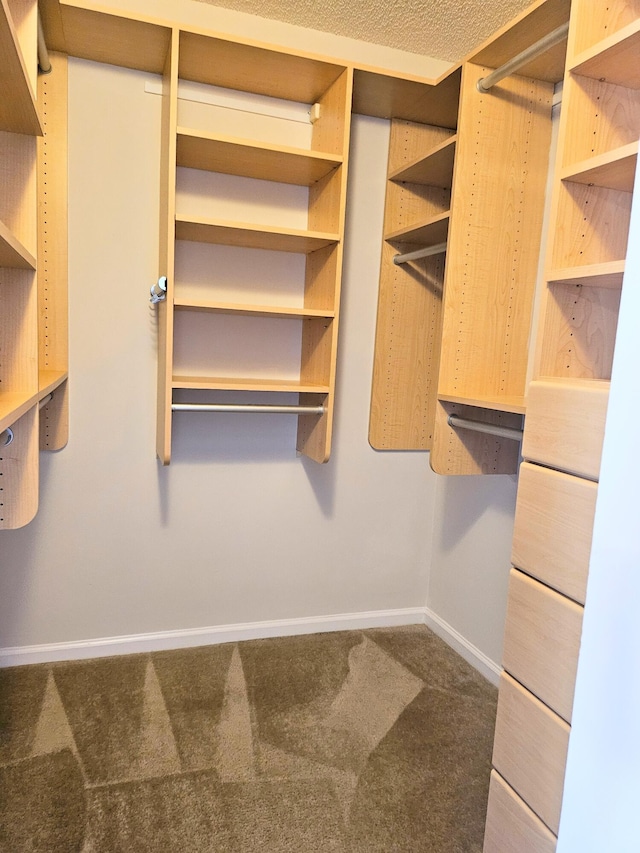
[(353, 742)]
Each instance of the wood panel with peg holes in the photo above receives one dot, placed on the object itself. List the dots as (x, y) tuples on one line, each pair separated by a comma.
[(553, 527), (598, 22), (19, 473), (511, 826), (565, 425), (542, 641), (53, 357), (530, 750)]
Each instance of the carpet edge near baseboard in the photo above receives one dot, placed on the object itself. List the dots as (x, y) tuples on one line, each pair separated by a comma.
[(190, 637)]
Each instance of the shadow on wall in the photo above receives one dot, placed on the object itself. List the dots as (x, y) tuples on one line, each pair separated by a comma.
[(465, 500)]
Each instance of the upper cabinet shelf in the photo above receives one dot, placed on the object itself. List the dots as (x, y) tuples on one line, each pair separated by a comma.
[(18, 110), (250, 236), (433, 169), (428, 232), (614, 170), (249, 310), (251, 159), (614, 59)]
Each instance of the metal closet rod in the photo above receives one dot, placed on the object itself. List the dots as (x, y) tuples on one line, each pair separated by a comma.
[(511, 433), (44, 63), (546, 43), (438, 249), (254, 408)]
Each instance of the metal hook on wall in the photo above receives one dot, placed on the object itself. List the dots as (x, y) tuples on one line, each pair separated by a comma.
[(8, 437), (159, 290)]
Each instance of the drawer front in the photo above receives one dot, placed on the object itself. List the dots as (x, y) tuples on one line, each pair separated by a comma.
[(530, 750), (565, 425), (542, 641), (553, 528), (511, 825)]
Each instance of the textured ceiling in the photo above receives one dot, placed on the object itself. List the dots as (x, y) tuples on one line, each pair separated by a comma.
[(444, 29)]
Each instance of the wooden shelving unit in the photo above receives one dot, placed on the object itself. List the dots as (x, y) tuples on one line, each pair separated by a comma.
[(32, 304), (408, 332), (319, 170), (454, 340), (566, 414)]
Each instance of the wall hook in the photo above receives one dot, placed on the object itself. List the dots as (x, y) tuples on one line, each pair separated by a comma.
[(159, 290)]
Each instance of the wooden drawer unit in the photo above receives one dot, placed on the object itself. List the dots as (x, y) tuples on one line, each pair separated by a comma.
[(511, 825), (553, 527), (565, 424), (530, 750), (542, 641)]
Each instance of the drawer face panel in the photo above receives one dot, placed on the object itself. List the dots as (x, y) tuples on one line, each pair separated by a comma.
[(564, 427), (530, 750), (542, 641), (553, 527), (511, 825)]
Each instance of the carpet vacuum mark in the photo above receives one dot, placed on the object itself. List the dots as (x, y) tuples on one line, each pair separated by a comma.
[(352, 742)]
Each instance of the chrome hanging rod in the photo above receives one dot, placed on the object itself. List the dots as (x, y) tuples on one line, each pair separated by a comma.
[(44, 63), (546, 43), (438, 249), (44, 401), (511, 433), (248, 407)]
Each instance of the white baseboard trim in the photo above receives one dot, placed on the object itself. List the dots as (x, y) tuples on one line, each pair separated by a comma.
[(190, 637), (485, 666), (187, 638)]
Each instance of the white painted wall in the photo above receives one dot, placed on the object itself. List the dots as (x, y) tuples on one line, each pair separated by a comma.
[(237, 529), (600, 804)]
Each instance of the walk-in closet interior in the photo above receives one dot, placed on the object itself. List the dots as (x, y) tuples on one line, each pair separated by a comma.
[(301, 334)]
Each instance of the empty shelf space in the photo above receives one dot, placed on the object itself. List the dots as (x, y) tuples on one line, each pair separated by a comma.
[(614, 59), (434, 169), (614, 170), (249, 159), (607, 275), (249, 236), (250, 310), (514, 404), (18, 110), (221, 383), (12, 253), (428, 232)]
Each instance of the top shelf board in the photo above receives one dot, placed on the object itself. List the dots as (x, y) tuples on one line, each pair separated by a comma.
[(387, 96), (254, 68), (18, 110), (252, 159), (540, 19), (434, 169), (614, 60)]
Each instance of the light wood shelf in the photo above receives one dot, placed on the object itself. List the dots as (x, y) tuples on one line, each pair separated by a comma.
[(608, 274), (250, 159), (49, 381), (18, 108), (249, 310), (516, 405), (614, 59), (12, 253), (14, 404), (249, 236), (428, 232), (220, 383), (613, 170), (435, 168)]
